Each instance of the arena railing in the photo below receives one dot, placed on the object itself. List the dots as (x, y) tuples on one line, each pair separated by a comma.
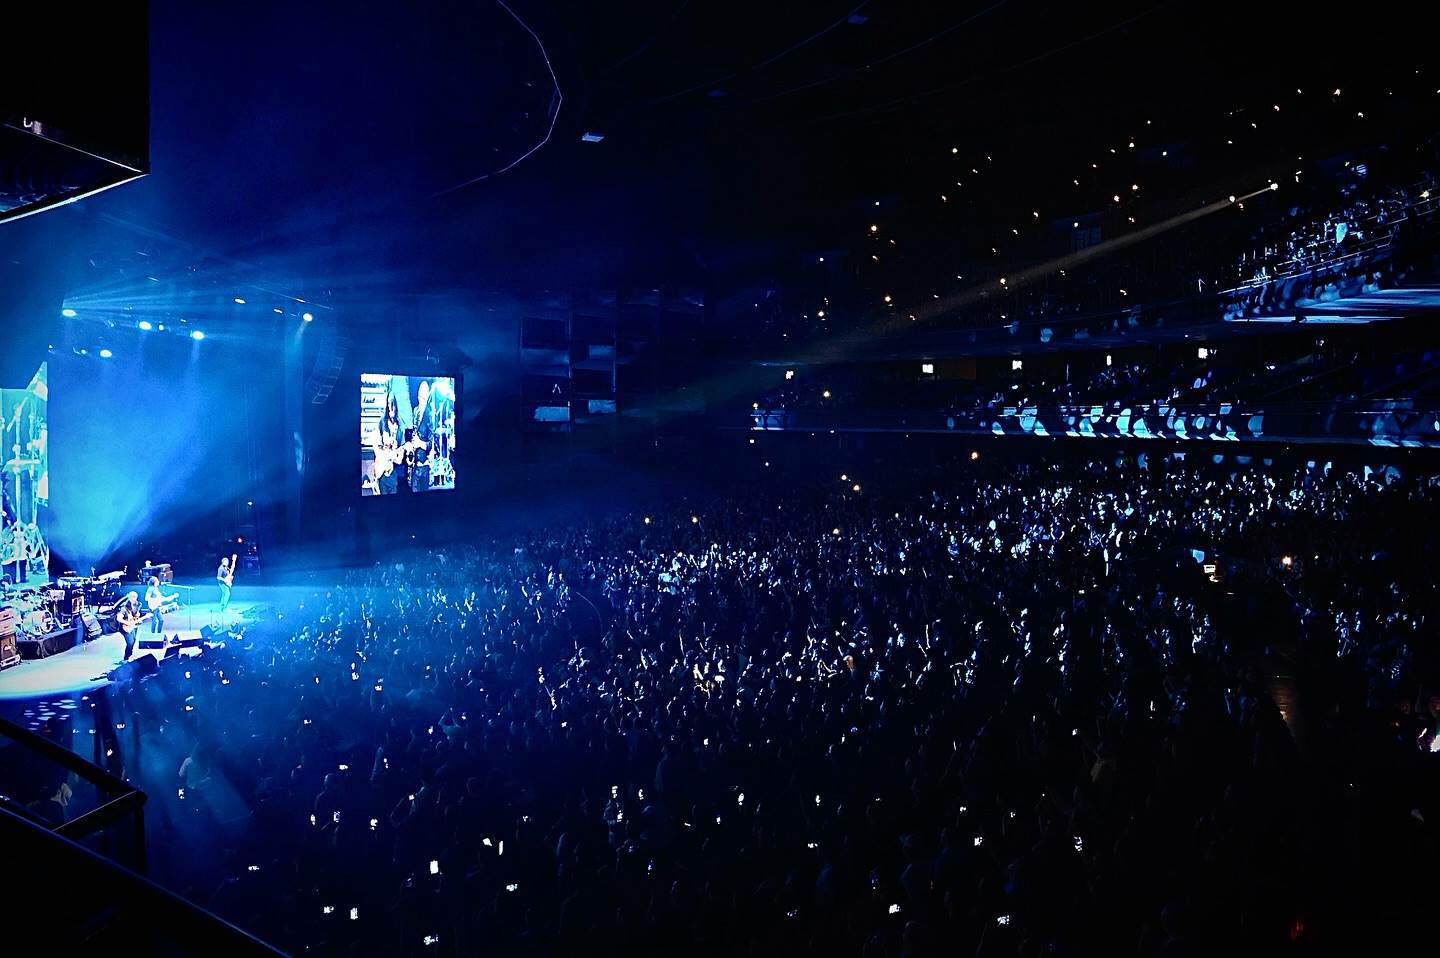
[(116, 803), (74, 898), (101, 851)]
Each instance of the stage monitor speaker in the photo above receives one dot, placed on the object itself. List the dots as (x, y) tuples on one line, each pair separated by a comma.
[(137, 668), (9, 650)]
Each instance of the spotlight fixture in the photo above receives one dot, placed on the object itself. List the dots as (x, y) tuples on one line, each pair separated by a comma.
[(145, 325), (105, 354), (308, 317), (197, 335), (68, 313), (239, 301)]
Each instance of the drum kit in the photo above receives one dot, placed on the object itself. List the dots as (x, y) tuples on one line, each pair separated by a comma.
[(42, 611)]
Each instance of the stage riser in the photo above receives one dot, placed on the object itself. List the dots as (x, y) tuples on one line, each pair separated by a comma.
[(48, 645)]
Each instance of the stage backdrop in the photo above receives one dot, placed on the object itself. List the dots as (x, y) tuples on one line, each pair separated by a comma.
[(160, 444)]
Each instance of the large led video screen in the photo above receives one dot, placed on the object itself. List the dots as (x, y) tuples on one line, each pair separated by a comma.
[(25, 481), (407, 434)]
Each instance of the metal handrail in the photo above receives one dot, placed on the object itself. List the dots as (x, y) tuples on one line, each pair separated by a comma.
[(122, 798), (103, 816), (65, 758), (165, 911)]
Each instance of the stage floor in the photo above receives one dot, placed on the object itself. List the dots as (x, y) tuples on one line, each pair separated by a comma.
[(89, 665)]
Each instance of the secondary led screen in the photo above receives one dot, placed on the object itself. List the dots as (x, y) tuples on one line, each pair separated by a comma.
[(25, 481)]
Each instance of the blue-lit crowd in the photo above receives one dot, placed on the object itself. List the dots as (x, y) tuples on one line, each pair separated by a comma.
[(1021, 710)]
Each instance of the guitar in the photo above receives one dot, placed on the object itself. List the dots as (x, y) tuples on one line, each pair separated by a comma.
[(229, 577), (157, 601), (129, 618), (413, 446), (388, 457)]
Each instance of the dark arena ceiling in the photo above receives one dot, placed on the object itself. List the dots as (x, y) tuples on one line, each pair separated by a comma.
[(347, 139)]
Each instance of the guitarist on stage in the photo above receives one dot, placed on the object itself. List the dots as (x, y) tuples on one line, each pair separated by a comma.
[(224, 576), (128, 618), (155, 602)]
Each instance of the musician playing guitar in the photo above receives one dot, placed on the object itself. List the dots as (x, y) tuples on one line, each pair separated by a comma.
[(387, 452), (158, 603), (224, 576), (128, 617), (419, 441)]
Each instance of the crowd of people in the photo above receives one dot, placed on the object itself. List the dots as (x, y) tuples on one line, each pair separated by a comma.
[(1291, 369), (1361, 221), (994, 709)]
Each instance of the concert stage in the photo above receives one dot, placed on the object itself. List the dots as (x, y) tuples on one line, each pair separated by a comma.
[(89, 665)]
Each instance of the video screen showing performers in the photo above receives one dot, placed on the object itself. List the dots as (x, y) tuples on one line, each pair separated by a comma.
[(24, 482), (407, 434)]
